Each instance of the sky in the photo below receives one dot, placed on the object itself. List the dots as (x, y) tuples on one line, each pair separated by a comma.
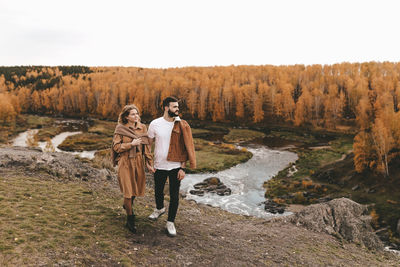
[(172, 33)]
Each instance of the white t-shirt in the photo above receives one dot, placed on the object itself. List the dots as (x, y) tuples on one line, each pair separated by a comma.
[(161, 130)]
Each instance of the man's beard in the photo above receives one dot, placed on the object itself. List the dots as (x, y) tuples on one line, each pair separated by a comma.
[(171, 114)]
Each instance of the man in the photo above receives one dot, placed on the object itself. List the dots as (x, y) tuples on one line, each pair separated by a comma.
[(173, 147)]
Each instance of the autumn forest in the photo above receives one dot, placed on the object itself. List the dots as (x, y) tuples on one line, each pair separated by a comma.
[(363, 96)]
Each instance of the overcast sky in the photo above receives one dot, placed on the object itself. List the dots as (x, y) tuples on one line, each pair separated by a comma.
[(169, 33)]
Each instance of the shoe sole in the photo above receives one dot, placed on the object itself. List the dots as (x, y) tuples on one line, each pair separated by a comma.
[(168, 234)]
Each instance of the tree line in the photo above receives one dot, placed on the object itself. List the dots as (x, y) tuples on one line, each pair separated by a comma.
[(364, 95)]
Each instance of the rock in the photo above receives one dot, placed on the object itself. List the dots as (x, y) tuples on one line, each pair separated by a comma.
[(224, 192), (200, 185), (307, 194), (342, 218), (398, 227), (211, 185), (273, 207), (370, 190), (211, 188), (356, 187), (197, 192), (104, 173), (212, 181), (394, 246), (45, 158), (324, 199), (383, 234)]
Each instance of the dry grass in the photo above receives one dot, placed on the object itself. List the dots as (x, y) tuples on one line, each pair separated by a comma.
[(213, 157), (86, 141), (70, 223), (242, 135)]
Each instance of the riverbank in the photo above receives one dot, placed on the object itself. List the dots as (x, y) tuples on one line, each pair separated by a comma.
[(69, 219)]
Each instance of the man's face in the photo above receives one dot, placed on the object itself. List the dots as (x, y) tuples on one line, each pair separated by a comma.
[(173, 109)]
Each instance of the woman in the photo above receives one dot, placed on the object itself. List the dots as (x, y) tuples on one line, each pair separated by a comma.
[(130, 149)]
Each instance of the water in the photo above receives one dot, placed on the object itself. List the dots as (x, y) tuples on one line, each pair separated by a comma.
[(245, 180), (57, 140), (392, 250), (21, 140)]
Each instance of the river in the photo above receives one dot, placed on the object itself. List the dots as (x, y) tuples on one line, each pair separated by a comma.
[(22, 140), (245, 180)]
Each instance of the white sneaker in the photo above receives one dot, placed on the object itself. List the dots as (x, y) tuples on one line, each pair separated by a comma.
[(156, 213), (171, 231)]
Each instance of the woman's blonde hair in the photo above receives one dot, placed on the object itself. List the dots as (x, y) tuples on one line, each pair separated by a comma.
[(125, 112)]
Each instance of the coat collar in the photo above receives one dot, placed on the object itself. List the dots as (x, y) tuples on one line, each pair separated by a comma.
[(138, 126)]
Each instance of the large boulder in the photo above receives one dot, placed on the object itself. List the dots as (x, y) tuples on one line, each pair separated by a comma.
[(342, 218)]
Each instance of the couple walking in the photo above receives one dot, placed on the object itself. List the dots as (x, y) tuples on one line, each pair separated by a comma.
[(132, 152)]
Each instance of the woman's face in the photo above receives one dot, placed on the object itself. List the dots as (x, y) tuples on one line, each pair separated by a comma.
[(133, 116)]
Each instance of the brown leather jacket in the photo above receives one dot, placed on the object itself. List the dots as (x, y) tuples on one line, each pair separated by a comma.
[(181, 147)]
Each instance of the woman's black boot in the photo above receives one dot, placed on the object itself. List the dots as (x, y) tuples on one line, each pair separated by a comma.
[(130, 223)]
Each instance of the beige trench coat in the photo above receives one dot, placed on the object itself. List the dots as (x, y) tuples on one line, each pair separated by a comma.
[(131, 171)]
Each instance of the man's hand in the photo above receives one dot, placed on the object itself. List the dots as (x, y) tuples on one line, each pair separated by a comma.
[(181, 174), (150, 168)]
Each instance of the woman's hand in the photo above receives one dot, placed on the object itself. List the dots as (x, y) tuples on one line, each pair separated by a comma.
[(136, 142)]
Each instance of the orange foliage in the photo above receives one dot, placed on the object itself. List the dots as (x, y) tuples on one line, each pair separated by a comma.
[(323, 96)]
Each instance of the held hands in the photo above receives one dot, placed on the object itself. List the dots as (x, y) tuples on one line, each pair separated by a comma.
[(136, 142), (150, 168)]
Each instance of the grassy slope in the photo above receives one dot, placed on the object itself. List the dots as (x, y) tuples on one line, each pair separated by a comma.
[(242, 135)]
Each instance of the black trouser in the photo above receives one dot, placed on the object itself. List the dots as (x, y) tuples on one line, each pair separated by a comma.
[(160, 177)]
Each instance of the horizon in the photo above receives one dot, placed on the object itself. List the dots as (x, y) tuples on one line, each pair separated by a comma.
[(194, 66)]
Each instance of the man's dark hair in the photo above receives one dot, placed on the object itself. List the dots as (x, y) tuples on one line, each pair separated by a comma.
[(168, 100)]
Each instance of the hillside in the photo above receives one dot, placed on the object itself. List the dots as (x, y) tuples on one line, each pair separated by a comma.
[(69, 213)]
